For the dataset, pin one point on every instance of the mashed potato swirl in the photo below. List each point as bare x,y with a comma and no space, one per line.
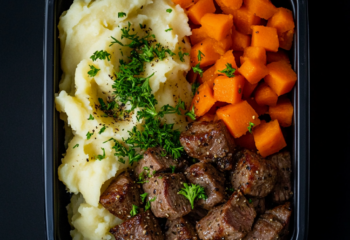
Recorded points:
85,28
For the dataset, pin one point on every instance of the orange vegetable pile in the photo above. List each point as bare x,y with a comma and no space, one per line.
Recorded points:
240,59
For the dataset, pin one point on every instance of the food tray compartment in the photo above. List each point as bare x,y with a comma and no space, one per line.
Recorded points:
56,197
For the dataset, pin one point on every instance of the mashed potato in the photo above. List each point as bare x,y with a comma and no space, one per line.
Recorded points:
85,28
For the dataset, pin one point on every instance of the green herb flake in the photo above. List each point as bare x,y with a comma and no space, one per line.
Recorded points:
193,192
91,117
115,41
100,157
250,127
182,55
134,210
88,135
102,130
148,204
121,160
239,90
229,70
191,114
250,200
93,71
169,29
76,145
169,10
194,87
173,168
102,55
121,14
200,55
197,69
143,196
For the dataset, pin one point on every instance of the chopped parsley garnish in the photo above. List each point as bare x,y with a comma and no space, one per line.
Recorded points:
231,189
193,192
115,41
199,56
143,196
101,55
250,200
250,127
88,135
191,114
160,177
121,151
148,204
197,69
181,55
169,10
134,211
142,27
146,168
239,90
76,145
169,29
194,87
91,117
121,160
229,70
121,14
102,130
93,71
172,169
100,157
102,103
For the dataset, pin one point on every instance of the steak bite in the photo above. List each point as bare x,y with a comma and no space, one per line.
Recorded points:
180,229
205,175
272,225
209,142
120,195
254,175
154,161
258,204
142,226
283,187
169,204
231,220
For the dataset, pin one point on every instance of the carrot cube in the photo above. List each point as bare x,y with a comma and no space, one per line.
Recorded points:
240,41
208,117
223,45
261,8
184,3
264,95
198,35
265,37
286,39
209,76
282,20
259,109
217,26
254,53
237,117
224,59
203,100
281,77
283,112
197,11
281,55
268,138
228,89
253,70
228,6
244,20
207,48
246,141
248,89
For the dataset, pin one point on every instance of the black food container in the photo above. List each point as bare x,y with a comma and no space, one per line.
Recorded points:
56,197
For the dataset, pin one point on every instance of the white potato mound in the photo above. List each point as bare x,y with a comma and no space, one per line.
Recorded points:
85,28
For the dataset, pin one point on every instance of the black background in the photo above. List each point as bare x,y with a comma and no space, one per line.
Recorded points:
21,162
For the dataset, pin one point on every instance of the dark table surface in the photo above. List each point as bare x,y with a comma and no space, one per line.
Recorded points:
21,168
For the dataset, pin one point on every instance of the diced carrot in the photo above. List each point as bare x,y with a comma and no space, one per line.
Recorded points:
203,100
259,109
216,106
286,39
224,59
281,77
246,141
191,76
184,3
237,117
282,20
248,89
283,112
197,11
281,55
217,26
261,8
207,47
254,53
244,20
265,37
238,55
228,89
253,70
208,117
223,45
264,95
268,138
240,41
209,76
228,6
198,34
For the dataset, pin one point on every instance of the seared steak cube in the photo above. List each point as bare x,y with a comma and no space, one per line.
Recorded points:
120,195
180,229
142,226
205,175
258,204
254,175
231,220
283,187
197,214
154,161
168,204
209,142
271,225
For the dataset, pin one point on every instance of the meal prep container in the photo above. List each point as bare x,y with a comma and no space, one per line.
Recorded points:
56,197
